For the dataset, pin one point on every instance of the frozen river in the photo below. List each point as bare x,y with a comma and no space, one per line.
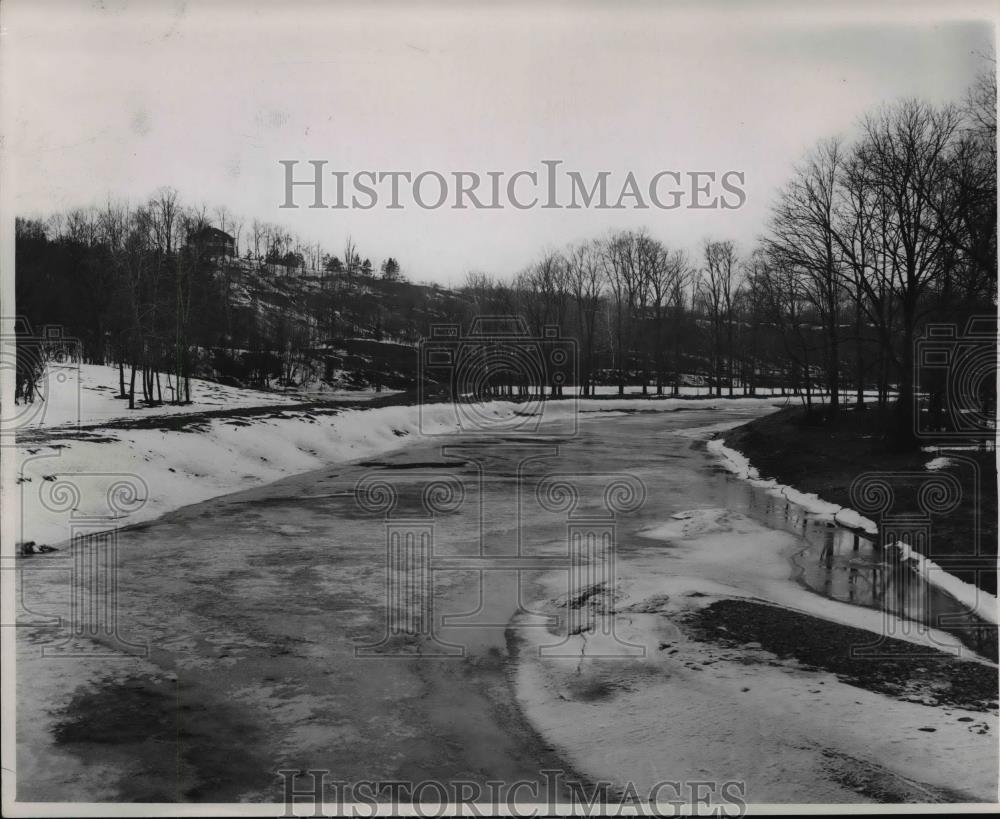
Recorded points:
426,616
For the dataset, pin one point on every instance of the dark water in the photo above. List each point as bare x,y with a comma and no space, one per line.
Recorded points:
847,566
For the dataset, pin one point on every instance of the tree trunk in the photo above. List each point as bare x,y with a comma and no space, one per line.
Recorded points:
833,379
903,429
729,364
131,389
859,358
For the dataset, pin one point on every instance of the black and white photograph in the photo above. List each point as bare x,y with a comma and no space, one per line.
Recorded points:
490,408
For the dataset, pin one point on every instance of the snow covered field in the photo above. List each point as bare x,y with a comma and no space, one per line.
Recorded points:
83,394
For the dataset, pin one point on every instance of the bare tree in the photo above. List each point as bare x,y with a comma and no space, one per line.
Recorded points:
620,260
717,290
258,234
782,293
586,282
351,260
546,288
903,160
680,289
165,207
665,271
802,239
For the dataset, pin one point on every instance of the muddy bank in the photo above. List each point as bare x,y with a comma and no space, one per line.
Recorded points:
744,675
708,702
879,663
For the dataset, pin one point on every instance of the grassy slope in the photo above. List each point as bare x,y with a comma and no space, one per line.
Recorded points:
824,460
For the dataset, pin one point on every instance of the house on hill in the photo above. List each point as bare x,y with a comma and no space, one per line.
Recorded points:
212,242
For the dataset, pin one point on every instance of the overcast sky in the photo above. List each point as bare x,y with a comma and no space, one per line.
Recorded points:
118,98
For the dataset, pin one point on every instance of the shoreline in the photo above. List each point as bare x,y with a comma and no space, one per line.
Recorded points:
769,577
158,464
979,601
824,462
727,687
721,679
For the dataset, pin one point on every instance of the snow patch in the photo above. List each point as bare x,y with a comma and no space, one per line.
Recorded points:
975,599
730,708
171,469
689,524
982,603
86,394
739,465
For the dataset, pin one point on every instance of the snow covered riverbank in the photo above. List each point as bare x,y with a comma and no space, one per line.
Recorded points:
973,598
739,465
725,707
130,475
269,598
748,676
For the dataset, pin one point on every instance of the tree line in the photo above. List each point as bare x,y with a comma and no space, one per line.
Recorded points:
871,238
143,287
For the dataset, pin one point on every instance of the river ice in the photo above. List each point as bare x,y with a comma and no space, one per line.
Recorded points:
252,606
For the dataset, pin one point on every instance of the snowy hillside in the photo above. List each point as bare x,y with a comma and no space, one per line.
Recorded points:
84,394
